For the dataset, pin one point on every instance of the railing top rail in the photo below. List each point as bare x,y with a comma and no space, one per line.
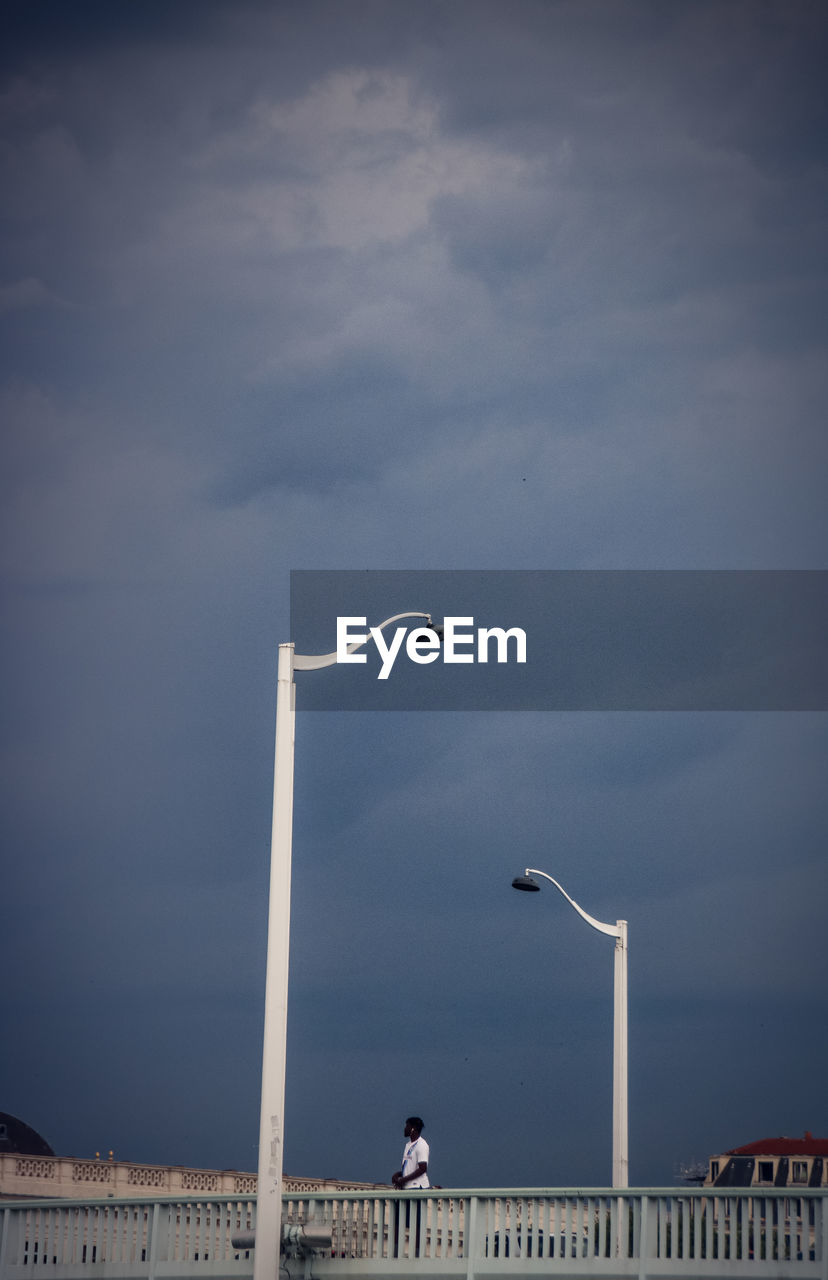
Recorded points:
137,1202
539,1193
432,1193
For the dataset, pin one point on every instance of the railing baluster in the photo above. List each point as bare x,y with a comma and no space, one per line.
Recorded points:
472,1244
64,1244
54,1249
386,1226
46,1252
698,1218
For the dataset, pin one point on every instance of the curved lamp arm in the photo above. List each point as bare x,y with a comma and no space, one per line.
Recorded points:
614,930
313,661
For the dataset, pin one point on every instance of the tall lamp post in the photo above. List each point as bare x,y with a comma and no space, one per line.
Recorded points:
620,1149
271,1120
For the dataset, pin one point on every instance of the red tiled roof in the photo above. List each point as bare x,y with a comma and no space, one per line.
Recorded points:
807,1146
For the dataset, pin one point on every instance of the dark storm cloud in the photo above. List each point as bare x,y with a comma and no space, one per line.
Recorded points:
419,285
54,30
255,270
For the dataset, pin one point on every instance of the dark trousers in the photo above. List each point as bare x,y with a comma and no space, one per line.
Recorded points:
404,1212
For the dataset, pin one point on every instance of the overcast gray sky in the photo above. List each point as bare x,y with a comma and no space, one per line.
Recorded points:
537,285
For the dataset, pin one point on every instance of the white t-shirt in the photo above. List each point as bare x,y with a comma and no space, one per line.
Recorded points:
415,1153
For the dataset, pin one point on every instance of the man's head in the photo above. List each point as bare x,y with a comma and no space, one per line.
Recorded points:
413,1127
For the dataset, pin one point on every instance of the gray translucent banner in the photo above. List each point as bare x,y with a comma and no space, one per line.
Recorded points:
595,640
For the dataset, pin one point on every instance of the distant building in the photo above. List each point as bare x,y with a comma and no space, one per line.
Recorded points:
57,1177
772,1162
30,1170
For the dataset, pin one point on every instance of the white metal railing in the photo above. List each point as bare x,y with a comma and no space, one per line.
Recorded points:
651,1234
144,1238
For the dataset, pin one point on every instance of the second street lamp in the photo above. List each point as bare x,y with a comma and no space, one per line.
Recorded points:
620,1151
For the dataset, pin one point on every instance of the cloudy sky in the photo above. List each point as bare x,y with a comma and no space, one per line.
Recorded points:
402,285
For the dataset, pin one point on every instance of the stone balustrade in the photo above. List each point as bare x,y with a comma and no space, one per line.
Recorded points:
45,1177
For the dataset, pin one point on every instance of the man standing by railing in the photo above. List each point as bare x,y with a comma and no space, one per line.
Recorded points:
413,1176
414,1171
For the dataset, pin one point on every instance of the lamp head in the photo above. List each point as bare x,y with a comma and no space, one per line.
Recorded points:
526,883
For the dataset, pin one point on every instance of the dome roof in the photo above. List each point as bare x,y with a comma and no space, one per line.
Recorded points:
18,1138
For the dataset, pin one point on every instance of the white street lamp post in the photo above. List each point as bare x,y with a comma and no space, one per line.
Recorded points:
620,1148
271,1120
